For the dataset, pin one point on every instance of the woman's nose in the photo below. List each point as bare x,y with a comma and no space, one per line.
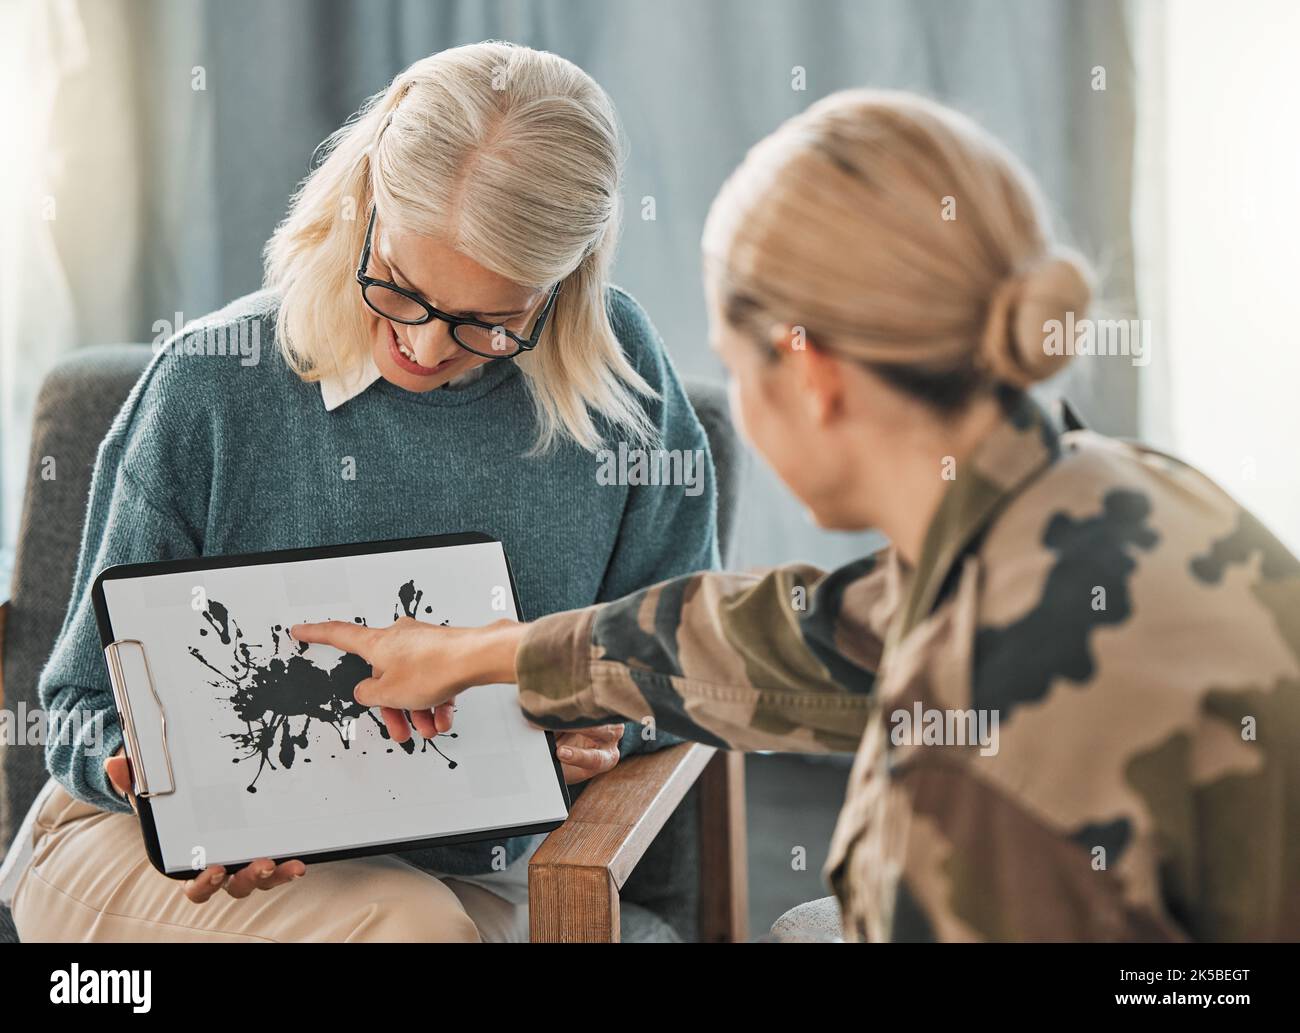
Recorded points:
432,342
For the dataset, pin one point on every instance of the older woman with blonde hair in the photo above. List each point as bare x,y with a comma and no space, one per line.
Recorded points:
1072,679
452,356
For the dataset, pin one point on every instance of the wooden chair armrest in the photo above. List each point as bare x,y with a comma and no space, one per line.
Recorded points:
575,876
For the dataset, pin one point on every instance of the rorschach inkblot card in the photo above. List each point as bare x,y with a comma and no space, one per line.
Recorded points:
252,744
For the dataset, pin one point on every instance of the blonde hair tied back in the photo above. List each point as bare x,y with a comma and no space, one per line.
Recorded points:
897,232
1014,345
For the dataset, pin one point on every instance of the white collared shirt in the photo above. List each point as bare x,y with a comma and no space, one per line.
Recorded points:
337,389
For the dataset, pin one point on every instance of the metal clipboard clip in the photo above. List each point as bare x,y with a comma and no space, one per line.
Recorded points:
117,675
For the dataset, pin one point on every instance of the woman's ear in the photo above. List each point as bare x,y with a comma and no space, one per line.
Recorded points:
818,374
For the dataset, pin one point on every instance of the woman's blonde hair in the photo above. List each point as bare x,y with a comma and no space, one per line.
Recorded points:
511,155
897,232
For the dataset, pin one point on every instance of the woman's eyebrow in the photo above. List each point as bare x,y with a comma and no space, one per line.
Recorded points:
491,315
483,316
393,267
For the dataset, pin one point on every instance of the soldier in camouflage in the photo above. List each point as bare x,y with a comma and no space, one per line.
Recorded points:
1136,634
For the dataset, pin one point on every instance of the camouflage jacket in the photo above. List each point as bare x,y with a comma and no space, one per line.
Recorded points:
1077,717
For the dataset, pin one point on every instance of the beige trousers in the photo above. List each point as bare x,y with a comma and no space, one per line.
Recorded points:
89,880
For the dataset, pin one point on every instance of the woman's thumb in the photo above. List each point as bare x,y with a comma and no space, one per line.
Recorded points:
118,769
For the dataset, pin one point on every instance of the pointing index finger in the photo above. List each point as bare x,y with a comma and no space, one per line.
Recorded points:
351,638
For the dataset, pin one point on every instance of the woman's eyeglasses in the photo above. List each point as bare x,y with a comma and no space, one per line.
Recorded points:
403,306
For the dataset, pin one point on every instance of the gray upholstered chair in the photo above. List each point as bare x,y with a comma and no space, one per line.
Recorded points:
647,837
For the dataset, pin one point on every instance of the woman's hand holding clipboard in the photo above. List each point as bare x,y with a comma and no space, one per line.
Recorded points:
262,874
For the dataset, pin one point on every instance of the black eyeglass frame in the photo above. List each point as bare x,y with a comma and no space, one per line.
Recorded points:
431,313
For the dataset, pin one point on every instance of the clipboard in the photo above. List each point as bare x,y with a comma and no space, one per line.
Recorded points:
322,766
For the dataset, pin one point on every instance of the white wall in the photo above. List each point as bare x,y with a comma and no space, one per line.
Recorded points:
1218,216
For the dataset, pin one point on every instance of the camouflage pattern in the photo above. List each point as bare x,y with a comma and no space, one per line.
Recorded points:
1135,633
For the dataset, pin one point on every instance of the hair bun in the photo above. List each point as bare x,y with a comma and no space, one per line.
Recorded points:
1013,349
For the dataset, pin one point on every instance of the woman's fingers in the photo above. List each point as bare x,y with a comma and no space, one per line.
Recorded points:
425,722
200,888
284,873
399,728
419,666
344,635
588,752
263,874
582,758
365,691
590,757
244,881
118,769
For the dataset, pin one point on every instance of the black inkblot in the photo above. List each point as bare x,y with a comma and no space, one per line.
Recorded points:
219,618
408,599
269,692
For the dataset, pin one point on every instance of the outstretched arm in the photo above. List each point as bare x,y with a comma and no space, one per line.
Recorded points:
782,661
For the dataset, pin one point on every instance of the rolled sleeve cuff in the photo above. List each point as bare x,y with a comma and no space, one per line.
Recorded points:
554,670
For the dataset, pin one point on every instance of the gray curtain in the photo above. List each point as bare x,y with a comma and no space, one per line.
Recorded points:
168,192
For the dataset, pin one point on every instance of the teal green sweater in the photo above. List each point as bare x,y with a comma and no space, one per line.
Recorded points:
210,456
